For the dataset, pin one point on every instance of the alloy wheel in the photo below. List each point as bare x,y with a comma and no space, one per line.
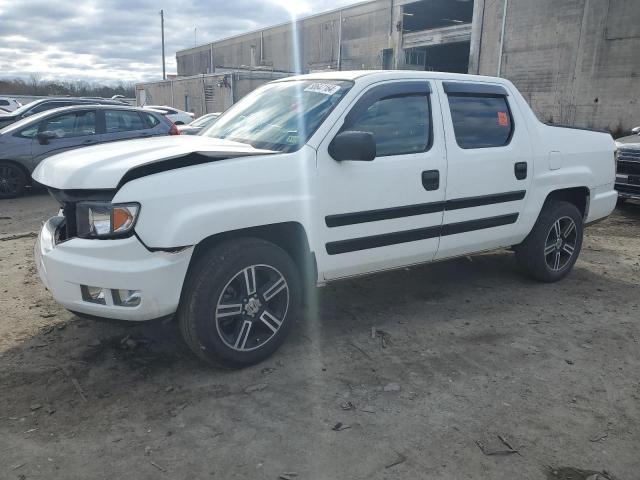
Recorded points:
560,244
252,307
10,180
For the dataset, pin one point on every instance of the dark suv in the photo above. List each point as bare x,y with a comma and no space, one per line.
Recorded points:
628,171
26,143
48,104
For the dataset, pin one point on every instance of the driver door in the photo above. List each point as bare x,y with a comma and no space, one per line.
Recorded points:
384,213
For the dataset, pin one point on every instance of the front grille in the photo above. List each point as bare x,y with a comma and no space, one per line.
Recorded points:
628,154
628,168
628,189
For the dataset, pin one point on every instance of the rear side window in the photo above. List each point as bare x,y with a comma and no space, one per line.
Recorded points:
480,121
122,121
151,120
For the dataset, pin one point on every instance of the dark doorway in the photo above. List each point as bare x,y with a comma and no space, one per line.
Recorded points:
427,14
451,57
387,59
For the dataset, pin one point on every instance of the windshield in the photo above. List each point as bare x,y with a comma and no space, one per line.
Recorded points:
23,122
280,116
204,121
24,108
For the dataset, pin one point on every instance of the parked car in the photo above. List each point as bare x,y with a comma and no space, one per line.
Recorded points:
308,180
49,104
179,117
9,104
199,124
628,166
24,144
2,110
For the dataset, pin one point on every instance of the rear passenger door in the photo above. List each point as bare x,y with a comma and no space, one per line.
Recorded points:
122,125
489,158
384,213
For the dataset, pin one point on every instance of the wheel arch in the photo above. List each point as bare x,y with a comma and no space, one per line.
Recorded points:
290,236
24,169
578,196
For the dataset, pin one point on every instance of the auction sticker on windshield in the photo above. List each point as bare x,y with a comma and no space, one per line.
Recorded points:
324,88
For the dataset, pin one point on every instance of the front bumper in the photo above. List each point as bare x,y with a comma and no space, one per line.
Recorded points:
110,264
627,187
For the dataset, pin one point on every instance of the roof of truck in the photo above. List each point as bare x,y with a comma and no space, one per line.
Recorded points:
391,75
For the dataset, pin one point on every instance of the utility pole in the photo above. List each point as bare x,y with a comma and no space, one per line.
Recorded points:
164,71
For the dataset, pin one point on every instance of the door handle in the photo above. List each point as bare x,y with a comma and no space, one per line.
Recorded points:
90,140
520,170
431,180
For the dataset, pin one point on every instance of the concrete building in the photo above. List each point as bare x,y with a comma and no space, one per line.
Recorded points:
576,61
206,93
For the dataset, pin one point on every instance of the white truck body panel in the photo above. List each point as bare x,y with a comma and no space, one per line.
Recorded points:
246,187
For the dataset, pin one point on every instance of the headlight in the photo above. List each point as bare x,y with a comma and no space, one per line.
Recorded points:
105,220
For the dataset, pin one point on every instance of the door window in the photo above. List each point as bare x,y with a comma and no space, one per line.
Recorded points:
400,124
480,121
68,125
151,120
122,121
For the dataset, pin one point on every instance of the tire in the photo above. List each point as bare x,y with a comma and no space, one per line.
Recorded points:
561,252
13,180
226,294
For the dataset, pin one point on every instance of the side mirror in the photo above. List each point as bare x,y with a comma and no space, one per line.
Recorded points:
353,146
636,130
44,137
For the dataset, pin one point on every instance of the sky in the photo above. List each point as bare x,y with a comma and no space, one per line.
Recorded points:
109,41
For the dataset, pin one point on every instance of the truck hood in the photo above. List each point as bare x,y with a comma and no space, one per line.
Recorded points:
629,141
109,165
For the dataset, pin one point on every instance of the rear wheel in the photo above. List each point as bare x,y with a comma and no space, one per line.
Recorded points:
552,248
12,180
240,302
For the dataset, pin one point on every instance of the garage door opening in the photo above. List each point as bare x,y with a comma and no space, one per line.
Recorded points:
450,57
429,14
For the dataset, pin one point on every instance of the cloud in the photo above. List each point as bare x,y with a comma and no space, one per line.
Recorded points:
119,40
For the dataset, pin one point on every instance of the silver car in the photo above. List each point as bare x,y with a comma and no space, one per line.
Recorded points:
27,142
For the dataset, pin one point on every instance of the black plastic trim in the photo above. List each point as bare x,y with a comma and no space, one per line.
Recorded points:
374,241
342,219
386,239
480,224
459,88
354,218
188,160
468,202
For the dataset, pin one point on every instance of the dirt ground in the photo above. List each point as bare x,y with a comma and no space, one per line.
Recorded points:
472,351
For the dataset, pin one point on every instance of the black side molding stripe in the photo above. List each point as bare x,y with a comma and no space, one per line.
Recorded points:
458,203
342,219
386,239
480,224
354,218
374,241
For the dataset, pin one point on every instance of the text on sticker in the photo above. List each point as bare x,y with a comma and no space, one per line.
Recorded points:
324,88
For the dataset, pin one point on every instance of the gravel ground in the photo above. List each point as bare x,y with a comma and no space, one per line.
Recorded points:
472,352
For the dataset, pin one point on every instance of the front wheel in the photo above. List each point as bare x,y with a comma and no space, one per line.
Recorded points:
240,301
552,248
12,180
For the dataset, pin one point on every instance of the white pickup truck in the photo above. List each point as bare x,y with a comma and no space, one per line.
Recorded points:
308,180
